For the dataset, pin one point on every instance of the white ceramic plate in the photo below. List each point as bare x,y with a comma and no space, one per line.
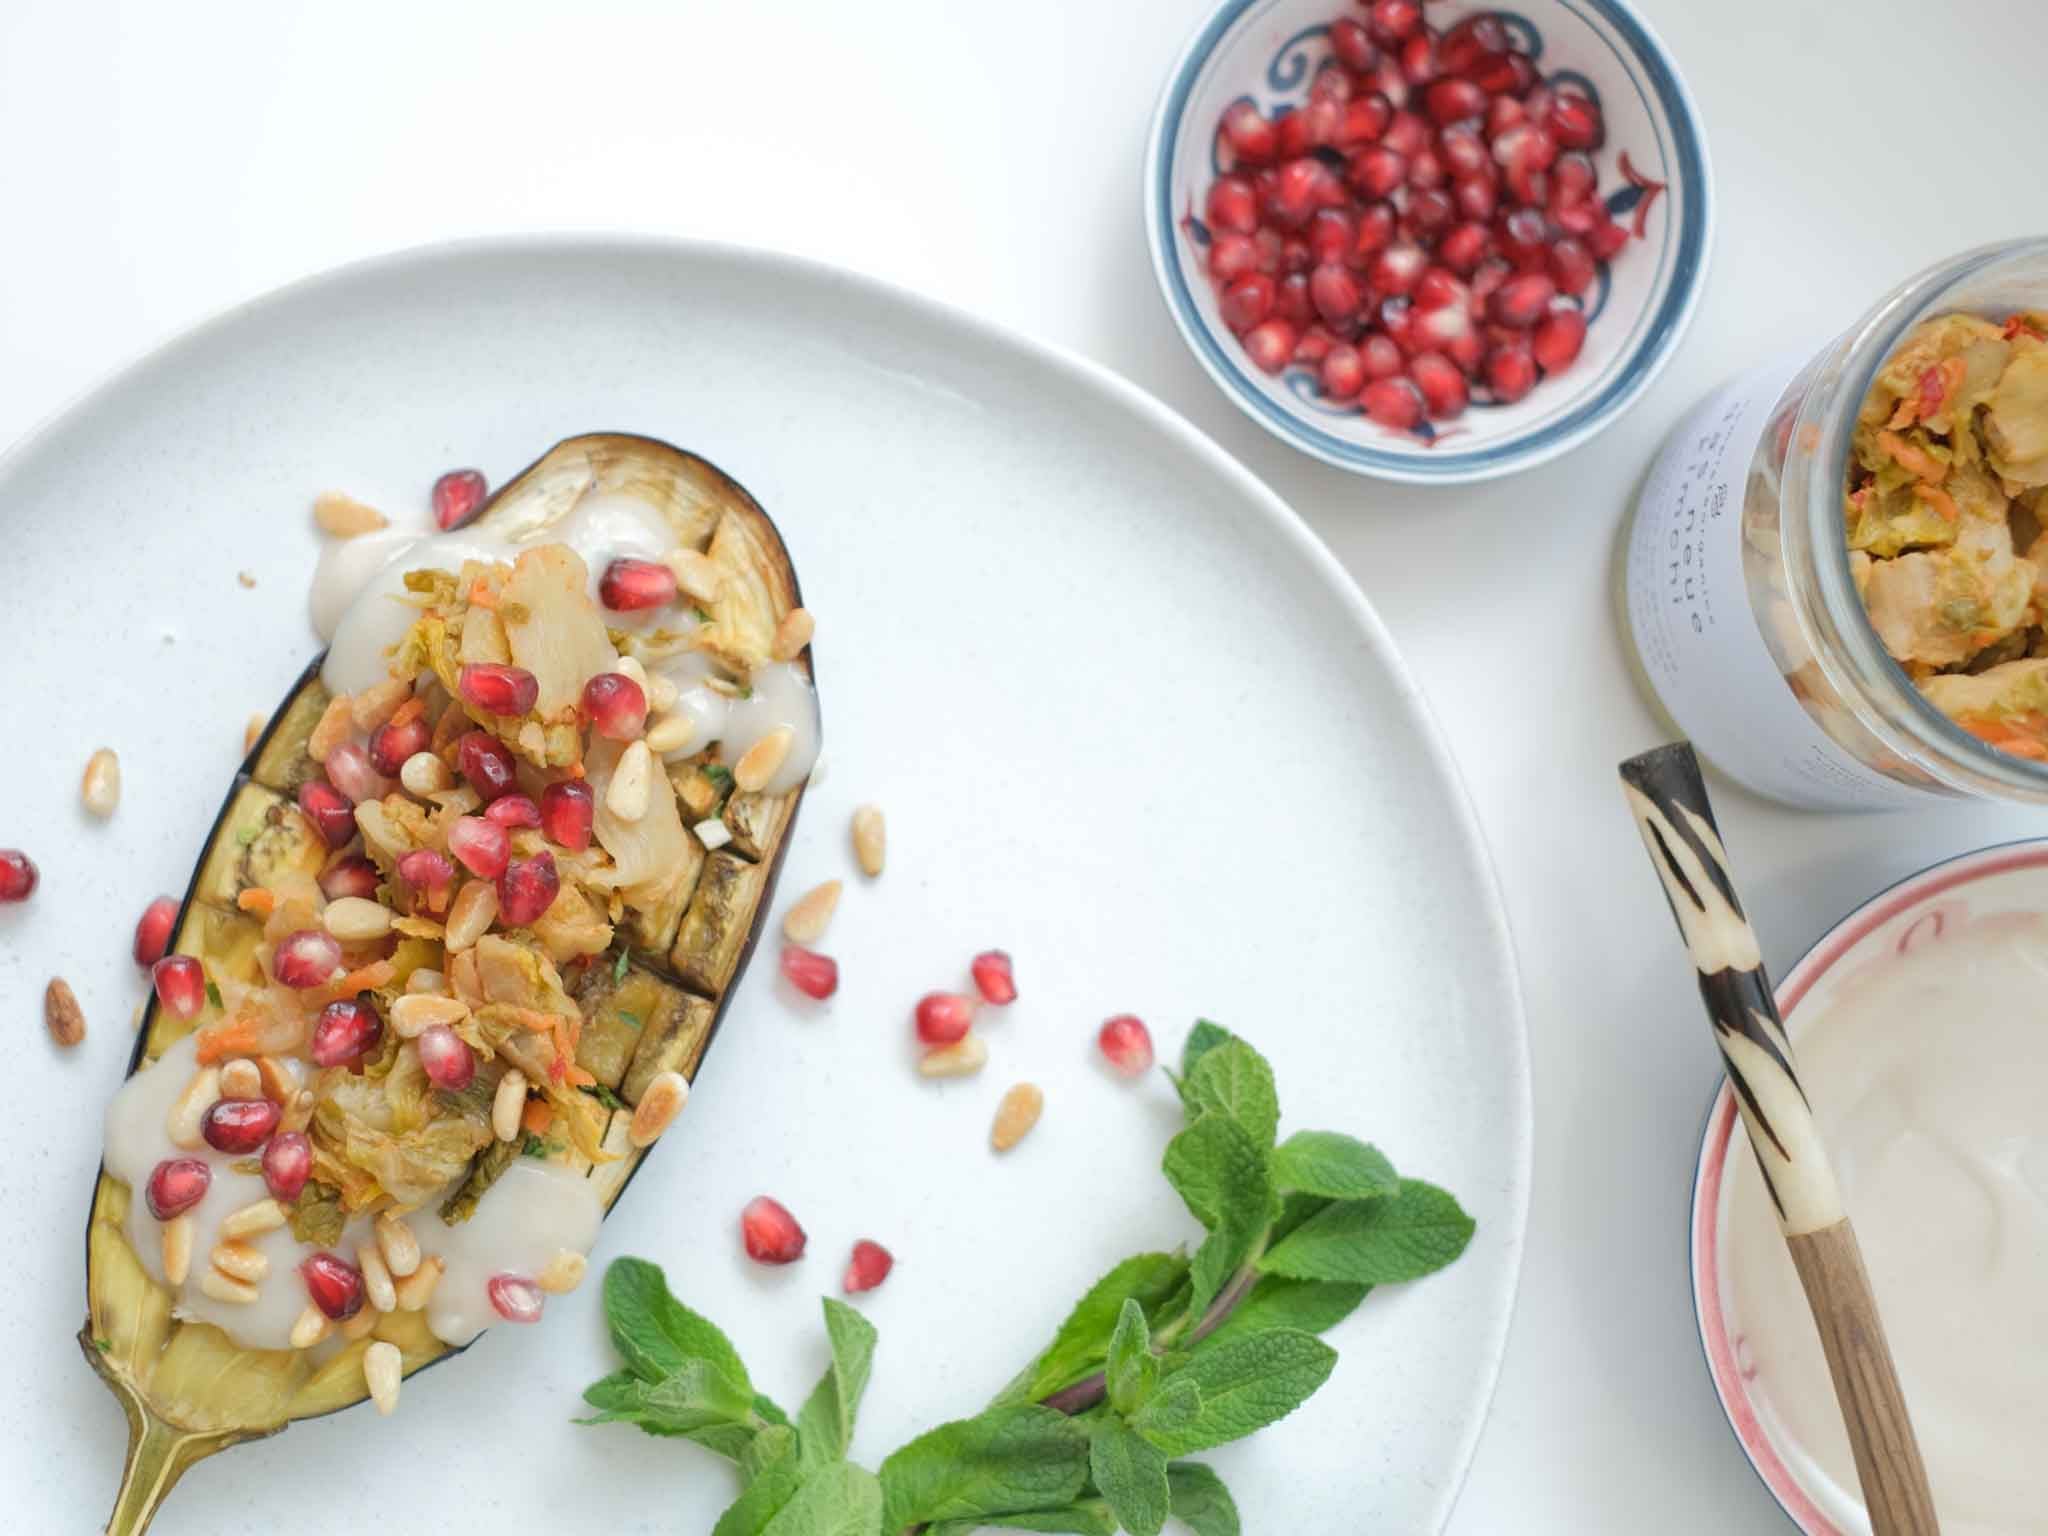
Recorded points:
1128,720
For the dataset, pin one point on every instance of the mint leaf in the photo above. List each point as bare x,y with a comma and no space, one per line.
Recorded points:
1340,1167
825,1423
1133,1370
1311,1306
1247,1384
1176,1405
1202,1039
1235,1079
695,1401
769,1491
1082,1342
1295,1210
1090,1517
774,1444
1221,1173
838,1499
1013,1459
1376,1242
1131,1472
1200,1501
658,1334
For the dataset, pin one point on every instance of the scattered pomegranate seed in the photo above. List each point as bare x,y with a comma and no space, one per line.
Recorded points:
1270,345
616,706
868,1268
1574,121
1125,1041
393,743
449,1062
335,1285
567,809
1247,301
513,810
458,497
497,689
1557,339
331,812
18,875
994,977
1233,206
629,586
236,1126
1441,383
1521,301
811,973
425,870
770,1233
353,875
307,958
176,1185
1249,135
942,1018
515,1298
346,1031
180,983
1510,372
153,930
287,1164
482,846
527,889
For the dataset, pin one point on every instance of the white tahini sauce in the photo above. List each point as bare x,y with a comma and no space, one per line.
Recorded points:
1928,1075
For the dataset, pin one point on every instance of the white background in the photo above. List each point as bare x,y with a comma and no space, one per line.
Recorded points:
160,161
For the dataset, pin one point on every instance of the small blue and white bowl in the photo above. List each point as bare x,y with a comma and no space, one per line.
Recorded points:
1653,176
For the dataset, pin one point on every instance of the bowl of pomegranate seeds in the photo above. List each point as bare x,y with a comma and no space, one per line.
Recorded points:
1423,241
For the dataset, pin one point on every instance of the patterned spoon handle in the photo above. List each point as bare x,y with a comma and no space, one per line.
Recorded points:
1669,799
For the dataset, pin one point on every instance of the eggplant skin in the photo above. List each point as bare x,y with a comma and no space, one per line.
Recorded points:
653,1004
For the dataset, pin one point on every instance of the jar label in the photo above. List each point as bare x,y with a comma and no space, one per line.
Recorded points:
1694,628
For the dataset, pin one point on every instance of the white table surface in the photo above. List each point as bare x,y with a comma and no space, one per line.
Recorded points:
158,162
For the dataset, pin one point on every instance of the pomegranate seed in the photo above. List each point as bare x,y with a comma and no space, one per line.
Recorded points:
1525,239
1331,235
1297,192
943,1018
1322,121
497,689
1503,113
333,817
1574,122
1247,301
350,876
18,875
770,1233
1270,345
1430,212
1576,219
486,764
1330,84
1572,179
1407,135
1393,318
1462,344
628,586
868,1268
1486,278
482,846
567,809
393,743
346,1031
1335,293
1606,239
1365,119
458,497
1441,383
1375,232
1353,48
1295,256
1536,103
180,983
1451,101
307,958
1464,153
1474,43
1510,372
1379,356
1343,373
1521,301
1557,339
1426,170
1394,403
449,1062
1418,58
1125,1041
513,810
1376,170
1476,197
335,1285
349,770
425,870
1290,134
1233,207
153,931
1315,344
1389,21
1249,135
1571,266
176,1185
1387,79
515,1298
1462,249
287,1164
1398,268
813,974
526,889
1439,286
1231,256
1529,187
993,977
236,1126
1525,146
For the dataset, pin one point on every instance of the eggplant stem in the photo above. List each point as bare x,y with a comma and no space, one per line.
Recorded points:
159,1452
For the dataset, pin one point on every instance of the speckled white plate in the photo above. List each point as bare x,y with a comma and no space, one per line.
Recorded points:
1128,720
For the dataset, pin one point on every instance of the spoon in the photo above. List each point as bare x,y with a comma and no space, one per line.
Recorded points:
1669,799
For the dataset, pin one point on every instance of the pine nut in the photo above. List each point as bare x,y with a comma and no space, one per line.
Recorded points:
190,1107
332,730
629,666
805,922
239,1261
963,1058
660,1102
417,1012
396,1243
662,693
626,797
470,918
258,1216
1016,1115
247,579
383,1369
763,760
563,1273
378,703
713,834
100,789
696,573
377,1284
61,1013
178,1234
227,1288
416,1287
793,634
280,1079
252,732
298,1114
312,1326
356,919
360,1325
426,979
870,839
670,733
424,774
241,1079
343,517
508,1104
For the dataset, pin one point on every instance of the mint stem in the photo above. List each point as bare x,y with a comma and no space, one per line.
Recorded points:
1090,1390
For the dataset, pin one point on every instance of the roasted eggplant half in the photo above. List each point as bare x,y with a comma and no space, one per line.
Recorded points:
454,950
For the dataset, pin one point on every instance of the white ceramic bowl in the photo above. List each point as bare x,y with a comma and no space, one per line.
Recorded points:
1653,175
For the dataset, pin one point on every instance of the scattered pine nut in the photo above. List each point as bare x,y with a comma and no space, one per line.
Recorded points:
312,1326
508,1104
696,573
763,760
62,1014
395,1241
264,1215
870,839
190,1107
333,728
360,1325
424,774
413,1014
377,1286
383,1369
239,1261
343,517
670,733
660,1102
963,1058
563,1273
227,1288
178,1233
246,578
713,834
806,921
1016,1115
470,918
241,1079
416,1287
793,634
252,733
356,919
100,789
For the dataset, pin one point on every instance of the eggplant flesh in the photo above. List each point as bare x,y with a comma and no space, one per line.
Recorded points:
651,1002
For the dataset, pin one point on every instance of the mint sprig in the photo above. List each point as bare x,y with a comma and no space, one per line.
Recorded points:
1165,1357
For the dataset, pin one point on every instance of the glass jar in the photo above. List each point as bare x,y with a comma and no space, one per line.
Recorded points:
1745,623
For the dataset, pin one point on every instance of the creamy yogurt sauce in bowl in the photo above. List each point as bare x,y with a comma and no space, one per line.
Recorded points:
1921,1025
